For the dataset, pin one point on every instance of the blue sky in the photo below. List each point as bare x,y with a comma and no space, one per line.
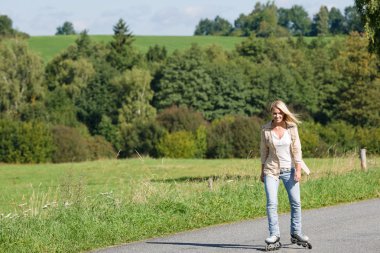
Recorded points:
144,17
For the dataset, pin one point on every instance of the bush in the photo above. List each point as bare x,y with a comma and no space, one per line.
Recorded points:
109,131
340,137
369,138
234,136
246,136
179,144
312,143
25,142
180,119
201,142
71,146
220,138
100,148
143,137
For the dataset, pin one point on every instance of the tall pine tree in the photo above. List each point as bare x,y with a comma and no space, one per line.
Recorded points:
122,55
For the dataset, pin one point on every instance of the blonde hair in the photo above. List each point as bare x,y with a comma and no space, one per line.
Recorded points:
289,117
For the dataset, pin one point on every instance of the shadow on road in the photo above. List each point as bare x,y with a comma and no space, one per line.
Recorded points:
220,245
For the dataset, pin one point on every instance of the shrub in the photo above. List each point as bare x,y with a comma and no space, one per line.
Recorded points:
340,137
71,146
369,138
246,136
99,148
201,142
25,142
179,144
180,118
109,131
220,138
312,143
143,138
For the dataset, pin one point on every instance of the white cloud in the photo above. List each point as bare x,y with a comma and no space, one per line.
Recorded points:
193,11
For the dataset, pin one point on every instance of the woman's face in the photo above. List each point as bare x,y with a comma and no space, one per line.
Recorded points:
278,115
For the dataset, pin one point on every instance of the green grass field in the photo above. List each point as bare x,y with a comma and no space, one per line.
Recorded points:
77,207
19,181
49,46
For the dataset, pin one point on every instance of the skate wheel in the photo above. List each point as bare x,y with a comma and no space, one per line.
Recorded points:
293,240
309,246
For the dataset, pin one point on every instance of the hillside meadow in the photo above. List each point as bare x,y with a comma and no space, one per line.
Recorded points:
49,46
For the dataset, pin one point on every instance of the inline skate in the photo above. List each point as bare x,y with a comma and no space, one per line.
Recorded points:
301,240
273,243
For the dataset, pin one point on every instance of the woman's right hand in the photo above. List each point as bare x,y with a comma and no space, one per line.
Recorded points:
262,173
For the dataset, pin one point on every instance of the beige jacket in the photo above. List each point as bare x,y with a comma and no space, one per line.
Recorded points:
268,152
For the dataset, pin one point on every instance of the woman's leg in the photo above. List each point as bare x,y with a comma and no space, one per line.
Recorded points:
293,189
271,189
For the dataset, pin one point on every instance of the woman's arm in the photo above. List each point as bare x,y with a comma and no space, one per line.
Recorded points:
264,151
262,173
297,152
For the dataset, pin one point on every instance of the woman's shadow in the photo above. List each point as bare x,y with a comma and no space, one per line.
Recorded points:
221,245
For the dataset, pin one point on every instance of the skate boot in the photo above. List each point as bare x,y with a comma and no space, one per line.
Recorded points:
301,240
273,243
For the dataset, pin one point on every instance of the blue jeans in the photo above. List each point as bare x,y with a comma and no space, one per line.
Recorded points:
293,189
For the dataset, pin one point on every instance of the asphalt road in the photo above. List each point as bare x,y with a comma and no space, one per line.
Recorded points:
344,228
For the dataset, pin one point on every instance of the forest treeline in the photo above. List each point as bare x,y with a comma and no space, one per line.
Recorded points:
266,19
98,100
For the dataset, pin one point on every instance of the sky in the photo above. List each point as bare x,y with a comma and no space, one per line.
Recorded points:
143,17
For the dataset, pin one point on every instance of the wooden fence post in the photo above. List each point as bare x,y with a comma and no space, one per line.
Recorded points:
210,181
363,159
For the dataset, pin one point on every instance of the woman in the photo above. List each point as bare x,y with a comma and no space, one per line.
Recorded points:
281,158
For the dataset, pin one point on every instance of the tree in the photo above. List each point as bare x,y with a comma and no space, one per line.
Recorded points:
359,96
221,26
300,21
370,13
218,26
336,21
21,74
321,22
83,43
204,27
242,25
295,19
156,53
5,26
66,29
122,55
72,76
353,21
185,81
122,36
231,90
262,21
134,89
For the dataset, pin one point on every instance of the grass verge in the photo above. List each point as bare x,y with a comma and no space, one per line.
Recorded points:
81,222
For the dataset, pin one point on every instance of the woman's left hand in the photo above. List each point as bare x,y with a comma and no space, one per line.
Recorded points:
297,175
